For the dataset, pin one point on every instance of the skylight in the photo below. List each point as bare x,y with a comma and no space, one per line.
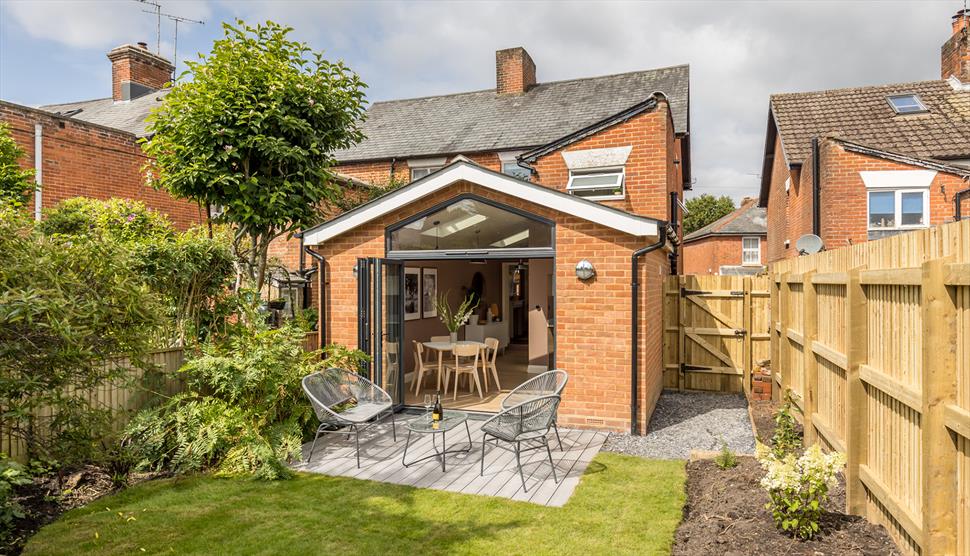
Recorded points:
907,104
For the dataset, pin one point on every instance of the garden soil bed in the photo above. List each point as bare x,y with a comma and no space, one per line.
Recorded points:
725,515
49,496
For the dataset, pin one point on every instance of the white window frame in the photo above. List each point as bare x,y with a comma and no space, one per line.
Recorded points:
919,103
757,250
619,172
421,167
511,158
898,208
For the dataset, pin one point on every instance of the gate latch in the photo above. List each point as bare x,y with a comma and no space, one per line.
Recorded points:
740,332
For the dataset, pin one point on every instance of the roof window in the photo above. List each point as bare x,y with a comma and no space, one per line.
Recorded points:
907,104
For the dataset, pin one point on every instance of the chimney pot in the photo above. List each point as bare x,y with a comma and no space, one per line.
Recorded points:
515,72
136,71
960,20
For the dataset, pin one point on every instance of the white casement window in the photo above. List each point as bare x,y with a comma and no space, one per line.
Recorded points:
599,184
895,209
510,165
424,166
750,250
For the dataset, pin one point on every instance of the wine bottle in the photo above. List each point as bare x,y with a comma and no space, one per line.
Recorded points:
436,412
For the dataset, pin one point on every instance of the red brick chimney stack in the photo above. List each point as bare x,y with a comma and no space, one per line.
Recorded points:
955,53
515,72
136,71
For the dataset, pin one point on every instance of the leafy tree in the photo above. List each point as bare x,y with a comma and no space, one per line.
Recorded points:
253,133
16,184
189,271
705,209
67,309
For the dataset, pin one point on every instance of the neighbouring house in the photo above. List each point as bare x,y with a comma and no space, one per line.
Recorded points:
91,148
553,204
731,245
850,165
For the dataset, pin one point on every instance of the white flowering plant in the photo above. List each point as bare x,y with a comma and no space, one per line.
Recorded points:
455,319
797,487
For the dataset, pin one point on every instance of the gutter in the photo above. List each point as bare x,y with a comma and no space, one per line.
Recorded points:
38,170
634,334
321,295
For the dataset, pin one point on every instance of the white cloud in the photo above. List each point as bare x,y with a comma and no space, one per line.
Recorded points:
739,53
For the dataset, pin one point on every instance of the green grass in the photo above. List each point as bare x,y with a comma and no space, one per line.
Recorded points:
623,505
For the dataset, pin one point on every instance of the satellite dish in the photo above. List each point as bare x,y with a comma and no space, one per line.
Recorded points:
809,244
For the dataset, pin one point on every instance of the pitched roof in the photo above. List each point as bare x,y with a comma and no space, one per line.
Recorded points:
626,222
748,219
483,120
127,116
864,114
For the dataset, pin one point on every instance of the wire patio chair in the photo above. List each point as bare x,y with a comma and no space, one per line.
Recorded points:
546,384
528,424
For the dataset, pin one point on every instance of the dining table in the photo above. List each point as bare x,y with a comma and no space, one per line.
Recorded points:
446,347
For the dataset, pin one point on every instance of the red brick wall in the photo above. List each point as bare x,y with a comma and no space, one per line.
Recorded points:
85,160
778,205
706,255
593,325
844,201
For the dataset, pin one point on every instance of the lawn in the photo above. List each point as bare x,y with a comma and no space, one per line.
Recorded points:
623,505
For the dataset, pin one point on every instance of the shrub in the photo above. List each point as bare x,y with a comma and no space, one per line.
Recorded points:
725,458
121,220
244,412
786,439
798,487
67,308
12,475
16,184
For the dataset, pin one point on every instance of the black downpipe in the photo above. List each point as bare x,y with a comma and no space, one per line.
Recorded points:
674,226
321,295
816,190
635,302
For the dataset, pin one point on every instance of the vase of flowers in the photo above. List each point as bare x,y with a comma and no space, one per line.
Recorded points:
455,319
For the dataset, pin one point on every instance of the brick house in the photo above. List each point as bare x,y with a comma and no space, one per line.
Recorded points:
550,202
90,148
850,165
731,245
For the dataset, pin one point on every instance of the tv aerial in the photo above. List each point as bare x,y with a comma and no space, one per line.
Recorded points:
176,19
809,244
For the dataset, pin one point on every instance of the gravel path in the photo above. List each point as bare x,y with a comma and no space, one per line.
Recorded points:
690,421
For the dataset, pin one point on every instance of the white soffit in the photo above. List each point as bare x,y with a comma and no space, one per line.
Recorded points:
597,158
898,178
531,193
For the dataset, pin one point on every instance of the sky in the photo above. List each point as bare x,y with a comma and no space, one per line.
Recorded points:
739,52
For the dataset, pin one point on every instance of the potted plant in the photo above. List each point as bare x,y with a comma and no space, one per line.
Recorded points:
455,319
279,303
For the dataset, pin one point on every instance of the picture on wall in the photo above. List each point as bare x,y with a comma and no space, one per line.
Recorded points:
429,292
412,293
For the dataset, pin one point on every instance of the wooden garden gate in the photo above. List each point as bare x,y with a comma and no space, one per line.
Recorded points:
715,329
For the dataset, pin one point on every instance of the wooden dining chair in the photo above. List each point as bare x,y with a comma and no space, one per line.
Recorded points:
430,353
491,352
466,363
419,366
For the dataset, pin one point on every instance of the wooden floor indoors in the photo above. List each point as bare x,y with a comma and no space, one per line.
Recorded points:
380,459
512,368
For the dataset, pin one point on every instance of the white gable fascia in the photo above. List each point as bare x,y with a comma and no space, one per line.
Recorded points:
530,193
613,157
897,178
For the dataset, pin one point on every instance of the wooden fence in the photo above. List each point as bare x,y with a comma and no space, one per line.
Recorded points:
715,329
123,401
875,341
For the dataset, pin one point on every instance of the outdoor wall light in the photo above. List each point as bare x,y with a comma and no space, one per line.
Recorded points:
585,270
355,272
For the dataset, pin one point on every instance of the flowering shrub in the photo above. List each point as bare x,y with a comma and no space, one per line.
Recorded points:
798,487
786,439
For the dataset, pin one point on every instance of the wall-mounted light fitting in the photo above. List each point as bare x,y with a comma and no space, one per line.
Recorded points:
585,270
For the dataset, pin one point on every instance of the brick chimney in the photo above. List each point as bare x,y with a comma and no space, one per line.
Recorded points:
515,72
135,71
955,53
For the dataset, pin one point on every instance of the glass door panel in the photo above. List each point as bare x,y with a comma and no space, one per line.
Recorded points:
380,322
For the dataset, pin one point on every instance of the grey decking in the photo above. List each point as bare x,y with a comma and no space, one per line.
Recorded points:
380,460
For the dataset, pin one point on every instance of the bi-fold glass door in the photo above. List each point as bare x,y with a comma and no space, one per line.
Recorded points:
380,322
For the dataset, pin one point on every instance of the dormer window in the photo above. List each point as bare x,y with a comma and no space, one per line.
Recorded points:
907,104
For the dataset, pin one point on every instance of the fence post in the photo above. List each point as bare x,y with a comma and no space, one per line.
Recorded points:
809,331
856,404
774,347
784,344
746,317
938,311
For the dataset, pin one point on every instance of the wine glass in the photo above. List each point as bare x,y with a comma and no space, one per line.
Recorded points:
428,403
